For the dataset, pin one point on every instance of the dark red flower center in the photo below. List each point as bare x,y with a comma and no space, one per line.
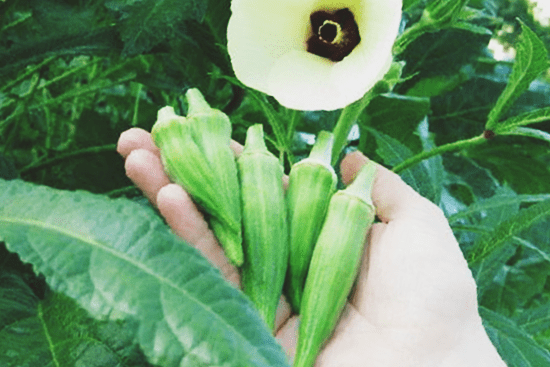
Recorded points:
335,34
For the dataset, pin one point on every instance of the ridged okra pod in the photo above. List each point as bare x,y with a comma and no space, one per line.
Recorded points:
196,155
265,230
334,264
311,183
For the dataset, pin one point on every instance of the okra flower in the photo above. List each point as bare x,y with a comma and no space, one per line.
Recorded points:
312,54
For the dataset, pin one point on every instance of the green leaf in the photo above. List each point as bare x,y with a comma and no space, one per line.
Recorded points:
418,176
437,85
501,235
17,301
466,26
496,202
409,3
470,174
518,283
396,116
443,53
531,60
434,165
535,320
540,115
274,119
515,161
531,133
146,23
516,347
118,259
55,332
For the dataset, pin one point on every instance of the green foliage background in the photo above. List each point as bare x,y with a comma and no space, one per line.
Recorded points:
74,74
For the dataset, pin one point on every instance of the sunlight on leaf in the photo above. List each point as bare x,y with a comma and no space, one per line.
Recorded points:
118,259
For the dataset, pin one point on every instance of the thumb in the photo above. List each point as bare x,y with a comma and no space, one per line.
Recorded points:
391,196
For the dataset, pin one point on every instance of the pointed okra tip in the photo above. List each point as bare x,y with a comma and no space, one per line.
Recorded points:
255,140
196,102
166,119
321,153
362,185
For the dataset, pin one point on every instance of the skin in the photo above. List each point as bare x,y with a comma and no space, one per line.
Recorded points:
415,302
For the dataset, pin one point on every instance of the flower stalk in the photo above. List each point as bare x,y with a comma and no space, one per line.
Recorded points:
451,147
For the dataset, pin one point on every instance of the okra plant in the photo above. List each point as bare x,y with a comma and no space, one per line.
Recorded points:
452,95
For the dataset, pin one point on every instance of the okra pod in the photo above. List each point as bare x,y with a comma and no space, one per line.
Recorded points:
334,264
196,155
265,230
311,183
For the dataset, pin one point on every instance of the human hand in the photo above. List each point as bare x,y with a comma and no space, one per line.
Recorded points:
415,301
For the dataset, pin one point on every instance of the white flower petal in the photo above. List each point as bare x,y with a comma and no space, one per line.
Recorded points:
267,44
301,81
256,41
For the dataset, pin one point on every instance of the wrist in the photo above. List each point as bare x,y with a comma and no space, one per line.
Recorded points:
474,349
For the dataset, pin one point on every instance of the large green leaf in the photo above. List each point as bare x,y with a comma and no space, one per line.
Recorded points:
531,60
516,347
117,258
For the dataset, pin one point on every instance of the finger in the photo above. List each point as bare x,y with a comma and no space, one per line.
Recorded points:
287,335
133,139
283,313
145,170
391,196
183,216
236,147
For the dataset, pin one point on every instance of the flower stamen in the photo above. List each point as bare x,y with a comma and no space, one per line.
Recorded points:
335,34
330,32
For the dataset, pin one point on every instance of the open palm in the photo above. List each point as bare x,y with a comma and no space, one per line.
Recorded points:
415,301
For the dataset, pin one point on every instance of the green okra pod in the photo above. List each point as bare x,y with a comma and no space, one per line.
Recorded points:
311,183
265,229
334,264
196,155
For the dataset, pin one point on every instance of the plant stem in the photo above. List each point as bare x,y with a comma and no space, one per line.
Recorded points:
294,118
457,145
347,118
28,72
